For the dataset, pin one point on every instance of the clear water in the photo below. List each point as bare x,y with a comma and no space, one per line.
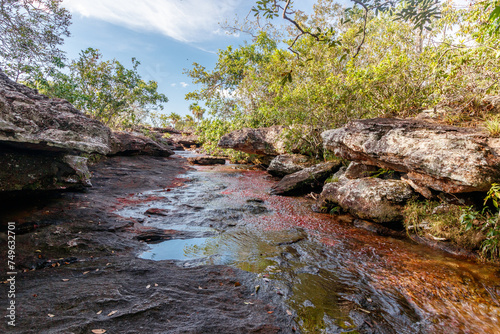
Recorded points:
334,277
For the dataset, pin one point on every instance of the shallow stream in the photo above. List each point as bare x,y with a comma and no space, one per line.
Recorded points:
333,277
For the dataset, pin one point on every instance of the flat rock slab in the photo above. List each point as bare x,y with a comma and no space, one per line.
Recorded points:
368,198
306,179
443,158
206,160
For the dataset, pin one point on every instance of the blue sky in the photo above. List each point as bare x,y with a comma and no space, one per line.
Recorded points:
166,36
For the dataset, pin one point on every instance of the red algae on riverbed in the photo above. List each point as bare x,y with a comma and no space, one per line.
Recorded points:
450,294
410,288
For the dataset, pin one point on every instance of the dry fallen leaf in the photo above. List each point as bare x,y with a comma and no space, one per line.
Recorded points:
98,331
111,313
99,312
270,312
65,279
288,312
156,284
97,269
51,315
248,303
148,286
86,272
237,284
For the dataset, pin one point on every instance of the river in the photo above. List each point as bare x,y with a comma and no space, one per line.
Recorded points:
333,277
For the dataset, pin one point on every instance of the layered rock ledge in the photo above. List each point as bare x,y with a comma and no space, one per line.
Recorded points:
443,158
44,141
41,140
43,123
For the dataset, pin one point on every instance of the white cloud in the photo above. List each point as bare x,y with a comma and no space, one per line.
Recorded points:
183,84
183,20
173,85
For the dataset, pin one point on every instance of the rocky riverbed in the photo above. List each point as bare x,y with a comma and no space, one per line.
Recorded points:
159,247
79,268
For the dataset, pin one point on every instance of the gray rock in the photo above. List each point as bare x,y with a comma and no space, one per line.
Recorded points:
38,122
356,170
305,180
206,160
262,141
185,140
368,198
26,170
133,143
443,158
285,164
41,140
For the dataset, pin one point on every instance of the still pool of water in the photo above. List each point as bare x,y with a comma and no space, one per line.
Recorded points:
176,249
334,277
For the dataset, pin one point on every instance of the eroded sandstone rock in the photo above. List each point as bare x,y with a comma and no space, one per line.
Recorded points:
184,140
206,160
368,198
41,140
443,158
285,164
133,143
39,122
262,141
27,170
306,179
357,170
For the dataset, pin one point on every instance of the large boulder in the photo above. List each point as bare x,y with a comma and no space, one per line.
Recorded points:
206,160
42,123
133,143
356,170
305,180
443,158
25,170
285,164
184,141
261,141
41,140
368,198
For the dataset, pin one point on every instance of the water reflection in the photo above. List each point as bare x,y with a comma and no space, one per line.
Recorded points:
336,278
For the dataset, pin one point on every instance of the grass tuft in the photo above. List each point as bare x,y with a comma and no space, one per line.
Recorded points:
493,126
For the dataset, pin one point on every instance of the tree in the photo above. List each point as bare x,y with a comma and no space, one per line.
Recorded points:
105,90
174,118
30,35
418,12
221,87
197,111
